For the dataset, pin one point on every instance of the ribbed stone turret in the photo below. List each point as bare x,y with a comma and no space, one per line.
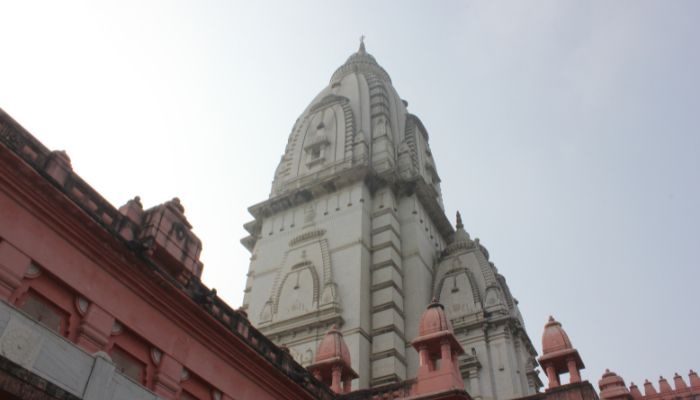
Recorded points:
500,361
354,232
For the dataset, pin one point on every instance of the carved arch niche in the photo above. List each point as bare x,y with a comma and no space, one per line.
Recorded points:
298,293
326,134
457,291
304,284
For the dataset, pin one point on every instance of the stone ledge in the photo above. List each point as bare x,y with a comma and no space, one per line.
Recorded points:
23,384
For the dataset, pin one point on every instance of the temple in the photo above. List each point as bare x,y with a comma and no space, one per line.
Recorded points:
355,220
98,301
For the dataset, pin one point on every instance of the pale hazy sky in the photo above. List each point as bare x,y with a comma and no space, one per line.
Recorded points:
566,132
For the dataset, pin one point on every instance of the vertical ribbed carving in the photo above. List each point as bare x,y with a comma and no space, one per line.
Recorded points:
327,271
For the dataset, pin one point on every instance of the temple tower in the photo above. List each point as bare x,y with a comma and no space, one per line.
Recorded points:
354,234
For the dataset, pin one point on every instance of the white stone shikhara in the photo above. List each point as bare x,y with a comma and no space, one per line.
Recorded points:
354,233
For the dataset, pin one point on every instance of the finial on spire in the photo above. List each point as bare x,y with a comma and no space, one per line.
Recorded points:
362,44
459,221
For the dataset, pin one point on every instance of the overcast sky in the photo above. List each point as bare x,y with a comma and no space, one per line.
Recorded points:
566,132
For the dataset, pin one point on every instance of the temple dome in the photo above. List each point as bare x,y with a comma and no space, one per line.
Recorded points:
554,338
357,123
433,320
333,347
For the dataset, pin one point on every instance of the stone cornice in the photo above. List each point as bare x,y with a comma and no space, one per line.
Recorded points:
311,187
306,235
321,319
316,185
427,196
19,382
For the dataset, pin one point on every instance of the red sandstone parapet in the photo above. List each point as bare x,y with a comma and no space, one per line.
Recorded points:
665,392
105,280
613,386
168,236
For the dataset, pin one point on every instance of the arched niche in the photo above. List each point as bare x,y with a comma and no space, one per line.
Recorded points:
457,293
298,292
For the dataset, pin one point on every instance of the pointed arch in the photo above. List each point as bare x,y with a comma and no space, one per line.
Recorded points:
294,277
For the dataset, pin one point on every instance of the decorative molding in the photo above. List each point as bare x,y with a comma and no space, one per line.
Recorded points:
82,304
390,329
20,344
321,320
388,353
33,271
298,268
156,355
308,235
117,328
327,102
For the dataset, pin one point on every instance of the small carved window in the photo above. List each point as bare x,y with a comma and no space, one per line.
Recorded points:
128,364
45,312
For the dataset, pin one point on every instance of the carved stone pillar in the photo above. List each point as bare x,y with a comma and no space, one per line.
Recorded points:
446,356
424,359
13,265
574,375
474,387
552,376
167,379
335,380
95,329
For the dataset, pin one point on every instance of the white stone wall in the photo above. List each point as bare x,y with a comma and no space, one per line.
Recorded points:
48,355
326,237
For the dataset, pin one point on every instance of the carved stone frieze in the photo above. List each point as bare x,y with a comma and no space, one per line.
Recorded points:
307,235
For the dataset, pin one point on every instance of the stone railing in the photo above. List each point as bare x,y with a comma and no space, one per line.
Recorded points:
29,345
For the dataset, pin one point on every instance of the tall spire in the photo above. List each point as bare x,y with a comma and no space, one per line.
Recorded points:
363,62
459,221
